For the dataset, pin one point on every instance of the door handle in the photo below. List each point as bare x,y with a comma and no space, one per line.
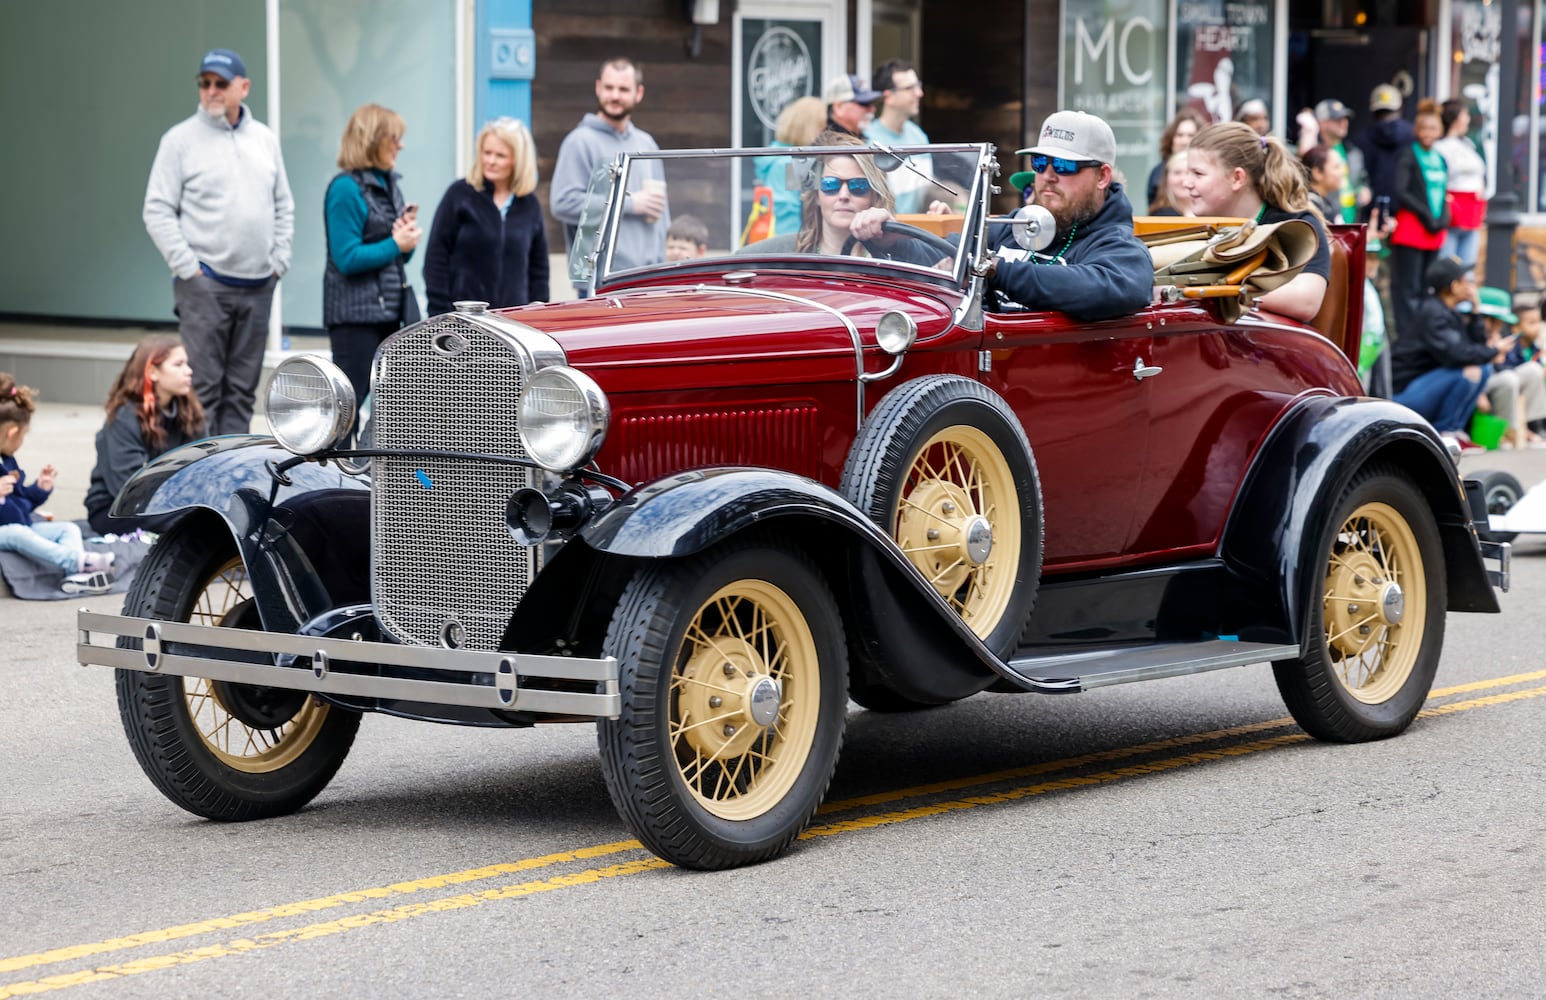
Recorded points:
1142,371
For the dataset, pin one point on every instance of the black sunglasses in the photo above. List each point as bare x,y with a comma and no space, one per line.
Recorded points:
857,186
206,82
1060,166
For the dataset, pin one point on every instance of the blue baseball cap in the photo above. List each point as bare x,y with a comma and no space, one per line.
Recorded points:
223,63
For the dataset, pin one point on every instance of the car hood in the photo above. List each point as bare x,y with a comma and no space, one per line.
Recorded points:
620,338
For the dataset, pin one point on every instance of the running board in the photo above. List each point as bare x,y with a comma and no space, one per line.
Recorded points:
1085,669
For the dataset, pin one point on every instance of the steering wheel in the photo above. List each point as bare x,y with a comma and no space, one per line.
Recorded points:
928,239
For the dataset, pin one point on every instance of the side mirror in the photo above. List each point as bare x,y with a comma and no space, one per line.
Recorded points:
1034,228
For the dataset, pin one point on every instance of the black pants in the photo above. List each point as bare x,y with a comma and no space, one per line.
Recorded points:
224,328
1407,287
354,348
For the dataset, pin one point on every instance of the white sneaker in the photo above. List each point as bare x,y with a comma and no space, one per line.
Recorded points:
86,583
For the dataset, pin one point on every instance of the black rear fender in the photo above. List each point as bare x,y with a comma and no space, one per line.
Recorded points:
304,535
1275,531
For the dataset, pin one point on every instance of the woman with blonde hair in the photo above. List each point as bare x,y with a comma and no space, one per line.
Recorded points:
371,234
798,125
1233,171
487,242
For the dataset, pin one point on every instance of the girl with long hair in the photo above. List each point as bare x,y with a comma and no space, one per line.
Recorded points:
1235,172
151,409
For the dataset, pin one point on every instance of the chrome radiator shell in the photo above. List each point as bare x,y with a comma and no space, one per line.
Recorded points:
445,570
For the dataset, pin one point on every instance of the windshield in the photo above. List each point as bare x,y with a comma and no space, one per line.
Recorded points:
789,206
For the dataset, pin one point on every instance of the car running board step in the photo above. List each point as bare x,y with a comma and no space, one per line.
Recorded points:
1066,671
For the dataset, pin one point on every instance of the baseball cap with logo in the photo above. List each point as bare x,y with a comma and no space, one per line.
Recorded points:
1074,135
1385,98
223,63
1331,110
850,88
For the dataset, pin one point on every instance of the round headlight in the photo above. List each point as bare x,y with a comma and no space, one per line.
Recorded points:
310,404
896,332
563,418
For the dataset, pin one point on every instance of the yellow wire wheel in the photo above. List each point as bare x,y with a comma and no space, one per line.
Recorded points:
228,731
744,699
1375,603
958,521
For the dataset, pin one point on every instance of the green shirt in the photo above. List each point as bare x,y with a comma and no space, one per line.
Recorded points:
1435,177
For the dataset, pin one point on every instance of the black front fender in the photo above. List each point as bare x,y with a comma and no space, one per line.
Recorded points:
873,580
304,534
1275,530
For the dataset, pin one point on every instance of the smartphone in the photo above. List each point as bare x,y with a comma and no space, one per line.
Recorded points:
1382,206
412,208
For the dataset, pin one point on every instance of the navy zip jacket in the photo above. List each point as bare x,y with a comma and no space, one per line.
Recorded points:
17,506
1108,273
1442,338
475,253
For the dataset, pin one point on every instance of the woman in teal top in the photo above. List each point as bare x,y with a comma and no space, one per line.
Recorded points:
1422,215
797,125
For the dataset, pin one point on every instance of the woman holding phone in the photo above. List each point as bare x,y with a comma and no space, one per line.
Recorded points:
371,234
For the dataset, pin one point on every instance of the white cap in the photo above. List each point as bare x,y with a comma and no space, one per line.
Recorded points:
1075,135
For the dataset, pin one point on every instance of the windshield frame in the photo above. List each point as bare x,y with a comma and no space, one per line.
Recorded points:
595,240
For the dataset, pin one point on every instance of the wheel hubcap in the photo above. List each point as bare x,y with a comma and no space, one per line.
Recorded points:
958,521
247,728
744,700
1375,602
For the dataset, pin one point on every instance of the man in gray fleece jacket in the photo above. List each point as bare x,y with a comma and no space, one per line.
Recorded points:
600,136
219,209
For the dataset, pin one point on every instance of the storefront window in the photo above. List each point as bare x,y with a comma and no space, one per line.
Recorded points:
1223,55
1114,66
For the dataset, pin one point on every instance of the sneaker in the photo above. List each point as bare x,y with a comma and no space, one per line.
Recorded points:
96,562
86,583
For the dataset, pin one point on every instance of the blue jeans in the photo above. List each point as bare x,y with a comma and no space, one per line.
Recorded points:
1462,243
53,543
1445,396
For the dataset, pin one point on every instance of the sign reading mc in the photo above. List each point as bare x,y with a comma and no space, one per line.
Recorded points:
1117,49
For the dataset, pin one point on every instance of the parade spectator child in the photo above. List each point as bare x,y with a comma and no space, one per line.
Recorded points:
687,238
1516,391
1528,349
150,410
52,543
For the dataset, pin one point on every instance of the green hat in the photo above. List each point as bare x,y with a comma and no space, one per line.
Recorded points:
1497,303
1023,179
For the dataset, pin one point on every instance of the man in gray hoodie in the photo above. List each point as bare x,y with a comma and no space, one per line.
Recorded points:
600,136
219,209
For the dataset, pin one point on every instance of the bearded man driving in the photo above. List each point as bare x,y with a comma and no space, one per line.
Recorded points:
1095,268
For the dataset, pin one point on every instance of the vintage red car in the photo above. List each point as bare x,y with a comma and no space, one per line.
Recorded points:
710,504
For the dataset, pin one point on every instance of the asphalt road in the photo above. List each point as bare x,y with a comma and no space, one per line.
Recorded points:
1175,838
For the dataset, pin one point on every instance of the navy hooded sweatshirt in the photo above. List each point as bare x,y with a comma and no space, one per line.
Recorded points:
477,253
1382,143
1108,273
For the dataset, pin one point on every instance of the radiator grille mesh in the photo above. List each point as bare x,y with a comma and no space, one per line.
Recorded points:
441,551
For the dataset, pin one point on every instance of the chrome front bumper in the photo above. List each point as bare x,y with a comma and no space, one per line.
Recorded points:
481,679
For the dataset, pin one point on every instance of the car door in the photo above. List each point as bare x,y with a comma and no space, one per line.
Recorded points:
1086,415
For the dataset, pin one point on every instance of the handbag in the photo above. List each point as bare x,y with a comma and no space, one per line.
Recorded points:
408,307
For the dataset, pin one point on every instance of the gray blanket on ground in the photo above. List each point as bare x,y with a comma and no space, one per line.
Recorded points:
33,581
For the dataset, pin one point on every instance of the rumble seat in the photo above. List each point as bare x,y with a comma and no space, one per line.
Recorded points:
1332,318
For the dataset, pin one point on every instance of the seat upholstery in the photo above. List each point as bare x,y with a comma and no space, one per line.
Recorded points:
1334,309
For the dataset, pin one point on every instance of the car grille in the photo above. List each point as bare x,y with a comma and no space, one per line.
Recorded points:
444,567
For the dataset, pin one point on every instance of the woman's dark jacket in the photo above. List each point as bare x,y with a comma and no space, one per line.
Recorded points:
121,452
1412,192
475,253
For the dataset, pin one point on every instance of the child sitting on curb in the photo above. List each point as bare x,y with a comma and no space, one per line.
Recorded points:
55,543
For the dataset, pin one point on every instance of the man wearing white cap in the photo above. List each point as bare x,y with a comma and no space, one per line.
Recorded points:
1098,268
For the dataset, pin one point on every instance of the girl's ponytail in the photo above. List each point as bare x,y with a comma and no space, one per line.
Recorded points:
17,402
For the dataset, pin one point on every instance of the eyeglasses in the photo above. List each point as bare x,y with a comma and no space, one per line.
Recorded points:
206,82
1060,166
857,186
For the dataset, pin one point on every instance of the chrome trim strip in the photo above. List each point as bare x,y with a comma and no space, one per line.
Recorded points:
853,331
505,670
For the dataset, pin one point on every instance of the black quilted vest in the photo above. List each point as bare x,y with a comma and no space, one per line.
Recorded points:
374,296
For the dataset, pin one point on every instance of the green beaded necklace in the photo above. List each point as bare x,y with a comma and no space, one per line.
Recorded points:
1058,257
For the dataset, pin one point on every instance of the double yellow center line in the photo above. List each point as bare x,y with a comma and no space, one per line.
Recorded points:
991,795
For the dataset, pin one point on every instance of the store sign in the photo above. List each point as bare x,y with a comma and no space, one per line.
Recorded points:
1223,54
1114,67
780,61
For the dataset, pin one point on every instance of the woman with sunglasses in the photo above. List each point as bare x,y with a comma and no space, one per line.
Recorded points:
841,188
1235,172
